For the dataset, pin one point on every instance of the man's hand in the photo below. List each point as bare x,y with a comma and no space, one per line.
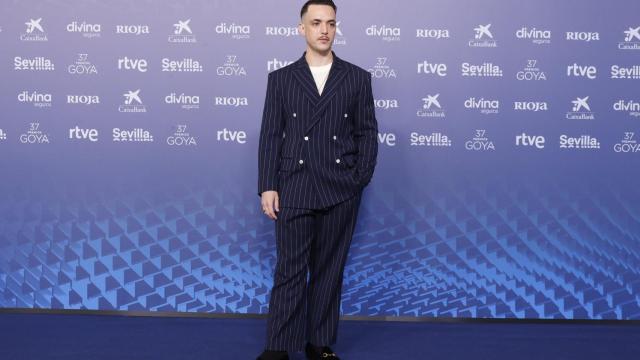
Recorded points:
270,202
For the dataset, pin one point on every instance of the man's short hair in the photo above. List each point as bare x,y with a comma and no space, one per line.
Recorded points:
305,7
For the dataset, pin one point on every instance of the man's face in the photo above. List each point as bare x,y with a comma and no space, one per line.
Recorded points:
318,26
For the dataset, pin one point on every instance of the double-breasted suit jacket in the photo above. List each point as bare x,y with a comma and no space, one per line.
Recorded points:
317,150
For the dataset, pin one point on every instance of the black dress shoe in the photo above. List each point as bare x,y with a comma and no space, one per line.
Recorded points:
319,353
273,355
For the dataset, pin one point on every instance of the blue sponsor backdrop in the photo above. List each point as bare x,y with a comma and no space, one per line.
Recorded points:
507,177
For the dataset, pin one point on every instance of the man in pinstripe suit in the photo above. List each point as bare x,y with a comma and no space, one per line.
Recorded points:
317,152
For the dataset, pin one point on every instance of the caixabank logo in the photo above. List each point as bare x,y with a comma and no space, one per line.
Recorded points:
580,110
35,135
34,31
181,137
435,140
182,33
431,107
628,144
132,103
631,39
483,37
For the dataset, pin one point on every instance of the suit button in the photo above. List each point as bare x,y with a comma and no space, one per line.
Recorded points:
346,115
306,138
338,161
294,115
334,137
300,161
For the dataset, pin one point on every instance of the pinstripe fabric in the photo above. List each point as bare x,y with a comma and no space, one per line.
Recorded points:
317,150
318,241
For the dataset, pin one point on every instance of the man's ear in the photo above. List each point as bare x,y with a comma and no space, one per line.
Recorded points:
301,28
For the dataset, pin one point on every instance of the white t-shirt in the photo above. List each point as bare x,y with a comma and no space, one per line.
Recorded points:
320,74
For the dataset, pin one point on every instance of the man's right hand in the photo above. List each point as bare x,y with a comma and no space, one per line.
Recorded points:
270,203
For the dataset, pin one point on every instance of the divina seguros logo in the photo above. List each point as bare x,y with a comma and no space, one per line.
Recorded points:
233,30
186,102
630,106
537,36
386,33
39,100
86,29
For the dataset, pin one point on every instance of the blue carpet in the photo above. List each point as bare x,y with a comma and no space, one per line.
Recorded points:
84,337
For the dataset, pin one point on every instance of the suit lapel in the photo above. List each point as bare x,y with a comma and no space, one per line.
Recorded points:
302,73
305,79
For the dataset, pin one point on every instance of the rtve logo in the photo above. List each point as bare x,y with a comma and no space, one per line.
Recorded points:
127,63
575,70
428,68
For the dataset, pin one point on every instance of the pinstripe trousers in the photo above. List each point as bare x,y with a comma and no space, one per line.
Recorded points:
316,241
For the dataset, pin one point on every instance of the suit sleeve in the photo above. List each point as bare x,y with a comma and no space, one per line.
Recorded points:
366,133
270,142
